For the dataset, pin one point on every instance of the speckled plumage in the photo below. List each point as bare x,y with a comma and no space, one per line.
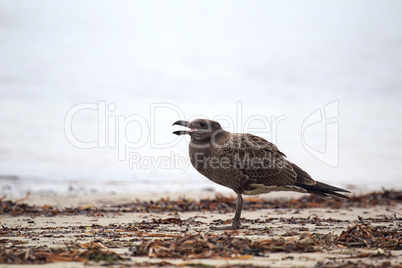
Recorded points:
246,163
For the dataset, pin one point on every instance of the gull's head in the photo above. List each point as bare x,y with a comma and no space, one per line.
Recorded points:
199,129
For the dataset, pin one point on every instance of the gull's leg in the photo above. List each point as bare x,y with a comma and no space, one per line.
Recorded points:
236,220
239,207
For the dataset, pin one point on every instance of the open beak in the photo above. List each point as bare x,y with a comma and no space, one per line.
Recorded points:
181,123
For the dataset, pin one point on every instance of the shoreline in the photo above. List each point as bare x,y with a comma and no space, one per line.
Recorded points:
102,198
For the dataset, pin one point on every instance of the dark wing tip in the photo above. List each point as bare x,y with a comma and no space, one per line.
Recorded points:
324,189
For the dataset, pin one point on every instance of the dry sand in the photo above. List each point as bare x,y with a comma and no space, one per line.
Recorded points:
260,225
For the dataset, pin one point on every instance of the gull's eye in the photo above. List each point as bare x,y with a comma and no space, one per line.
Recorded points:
202,124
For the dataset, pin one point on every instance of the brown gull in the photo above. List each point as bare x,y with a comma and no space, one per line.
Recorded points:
247,164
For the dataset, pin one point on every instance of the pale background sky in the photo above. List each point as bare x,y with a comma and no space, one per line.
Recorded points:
216,59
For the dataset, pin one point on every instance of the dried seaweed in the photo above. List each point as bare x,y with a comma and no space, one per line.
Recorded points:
224,246
219,204
45,255
371,237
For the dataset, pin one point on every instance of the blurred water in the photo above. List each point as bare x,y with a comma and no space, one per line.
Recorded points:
153,62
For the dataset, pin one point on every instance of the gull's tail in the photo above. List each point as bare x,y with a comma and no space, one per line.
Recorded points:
323,189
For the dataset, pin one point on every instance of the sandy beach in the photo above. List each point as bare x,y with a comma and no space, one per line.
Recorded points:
278,230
